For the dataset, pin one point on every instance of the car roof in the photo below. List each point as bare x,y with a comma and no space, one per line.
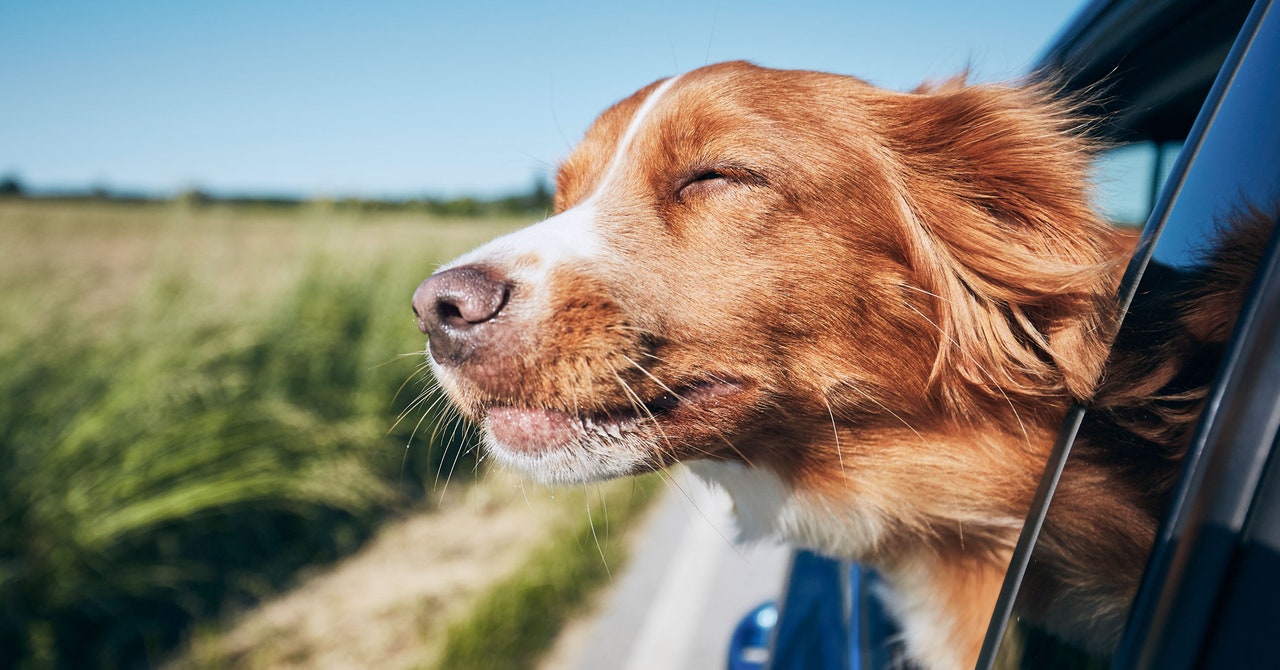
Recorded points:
1150,62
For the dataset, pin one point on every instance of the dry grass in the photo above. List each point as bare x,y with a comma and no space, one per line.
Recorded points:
390,605
196,402
100,258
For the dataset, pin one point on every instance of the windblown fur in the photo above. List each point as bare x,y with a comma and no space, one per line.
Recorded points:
862,312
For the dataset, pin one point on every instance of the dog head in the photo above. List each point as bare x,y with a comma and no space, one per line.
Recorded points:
793,271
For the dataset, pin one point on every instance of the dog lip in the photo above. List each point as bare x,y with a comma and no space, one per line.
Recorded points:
535,429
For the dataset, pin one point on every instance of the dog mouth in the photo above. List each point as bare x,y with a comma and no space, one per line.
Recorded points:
532,430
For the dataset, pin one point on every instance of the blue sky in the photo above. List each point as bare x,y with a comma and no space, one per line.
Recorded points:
388,98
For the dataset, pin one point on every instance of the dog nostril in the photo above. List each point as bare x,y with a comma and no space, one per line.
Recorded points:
451,303
449,312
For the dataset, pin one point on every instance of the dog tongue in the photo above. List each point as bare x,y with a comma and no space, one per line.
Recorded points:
529,429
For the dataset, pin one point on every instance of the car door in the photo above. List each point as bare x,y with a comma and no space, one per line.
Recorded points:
1208,593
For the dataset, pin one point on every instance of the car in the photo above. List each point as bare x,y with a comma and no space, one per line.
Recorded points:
1189,93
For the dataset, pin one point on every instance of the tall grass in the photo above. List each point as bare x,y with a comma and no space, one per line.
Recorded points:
193,404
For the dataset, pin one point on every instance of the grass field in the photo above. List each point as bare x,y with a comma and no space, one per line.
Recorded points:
195,402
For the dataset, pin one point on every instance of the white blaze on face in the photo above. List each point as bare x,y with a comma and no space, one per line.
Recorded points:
572,235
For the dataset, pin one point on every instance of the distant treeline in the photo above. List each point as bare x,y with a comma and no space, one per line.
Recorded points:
534,202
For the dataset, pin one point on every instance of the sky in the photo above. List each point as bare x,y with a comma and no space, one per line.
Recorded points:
385,98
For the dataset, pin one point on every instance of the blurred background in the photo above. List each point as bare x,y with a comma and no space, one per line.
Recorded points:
218,445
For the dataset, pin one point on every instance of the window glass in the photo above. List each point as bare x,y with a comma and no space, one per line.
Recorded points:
1128,178
1127,457
1122,182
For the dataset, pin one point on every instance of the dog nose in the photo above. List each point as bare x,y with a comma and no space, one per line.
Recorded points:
454,306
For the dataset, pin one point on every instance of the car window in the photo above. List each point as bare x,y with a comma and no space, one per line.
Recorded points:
1213,221
1128,179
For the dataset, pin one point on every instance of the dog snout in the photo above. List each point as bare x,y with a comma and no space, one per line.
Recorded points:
456,307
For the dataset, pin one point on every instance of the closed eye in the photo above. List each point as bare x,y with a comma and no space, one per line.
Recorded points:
709,180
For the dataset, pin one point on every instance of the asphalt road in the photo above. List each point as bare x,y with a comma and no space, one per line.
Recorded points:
686,587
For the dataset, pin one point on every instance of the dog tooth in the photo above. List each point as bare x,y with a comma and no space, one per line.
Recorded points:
614,430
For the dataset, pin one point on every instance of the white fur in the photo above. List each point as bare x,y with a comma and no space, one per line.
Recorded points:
594,459
633,128
527,257
767,508
564,238
909,595
572,235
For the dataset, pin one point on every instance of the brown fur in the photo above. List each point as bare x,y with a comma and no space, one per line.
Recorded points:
1129,453
902,292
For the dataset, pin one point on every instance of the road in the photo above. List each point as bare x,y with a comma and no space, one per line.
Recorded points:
684,590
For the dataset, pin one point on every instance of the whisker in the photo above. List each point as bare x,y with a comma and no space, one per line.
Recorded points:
604,507
472,439
404,461
929,293
457,453
1017,417
650,376
892,413
720,434
671,482
417,402
835,432
525,494
630,329
444,423
396,357
638,405
591,522
431,383
440,398
448,412
416,371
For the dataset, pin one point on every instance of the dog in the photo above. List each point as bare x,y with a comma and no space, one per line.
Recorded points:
863,313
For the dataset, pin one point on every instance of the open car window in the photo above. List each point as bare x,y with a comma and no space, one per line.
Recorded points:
1188,90
1221,196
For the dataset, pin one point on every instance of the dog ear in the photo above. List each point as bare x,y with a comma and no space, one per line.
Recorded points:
995,182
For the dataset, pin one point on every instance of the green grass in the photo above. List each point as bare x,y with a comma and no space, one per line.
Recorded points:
516,621
195,402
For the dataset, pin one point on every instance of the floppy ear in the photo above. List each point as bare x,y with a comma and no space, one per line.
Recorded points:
995,182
